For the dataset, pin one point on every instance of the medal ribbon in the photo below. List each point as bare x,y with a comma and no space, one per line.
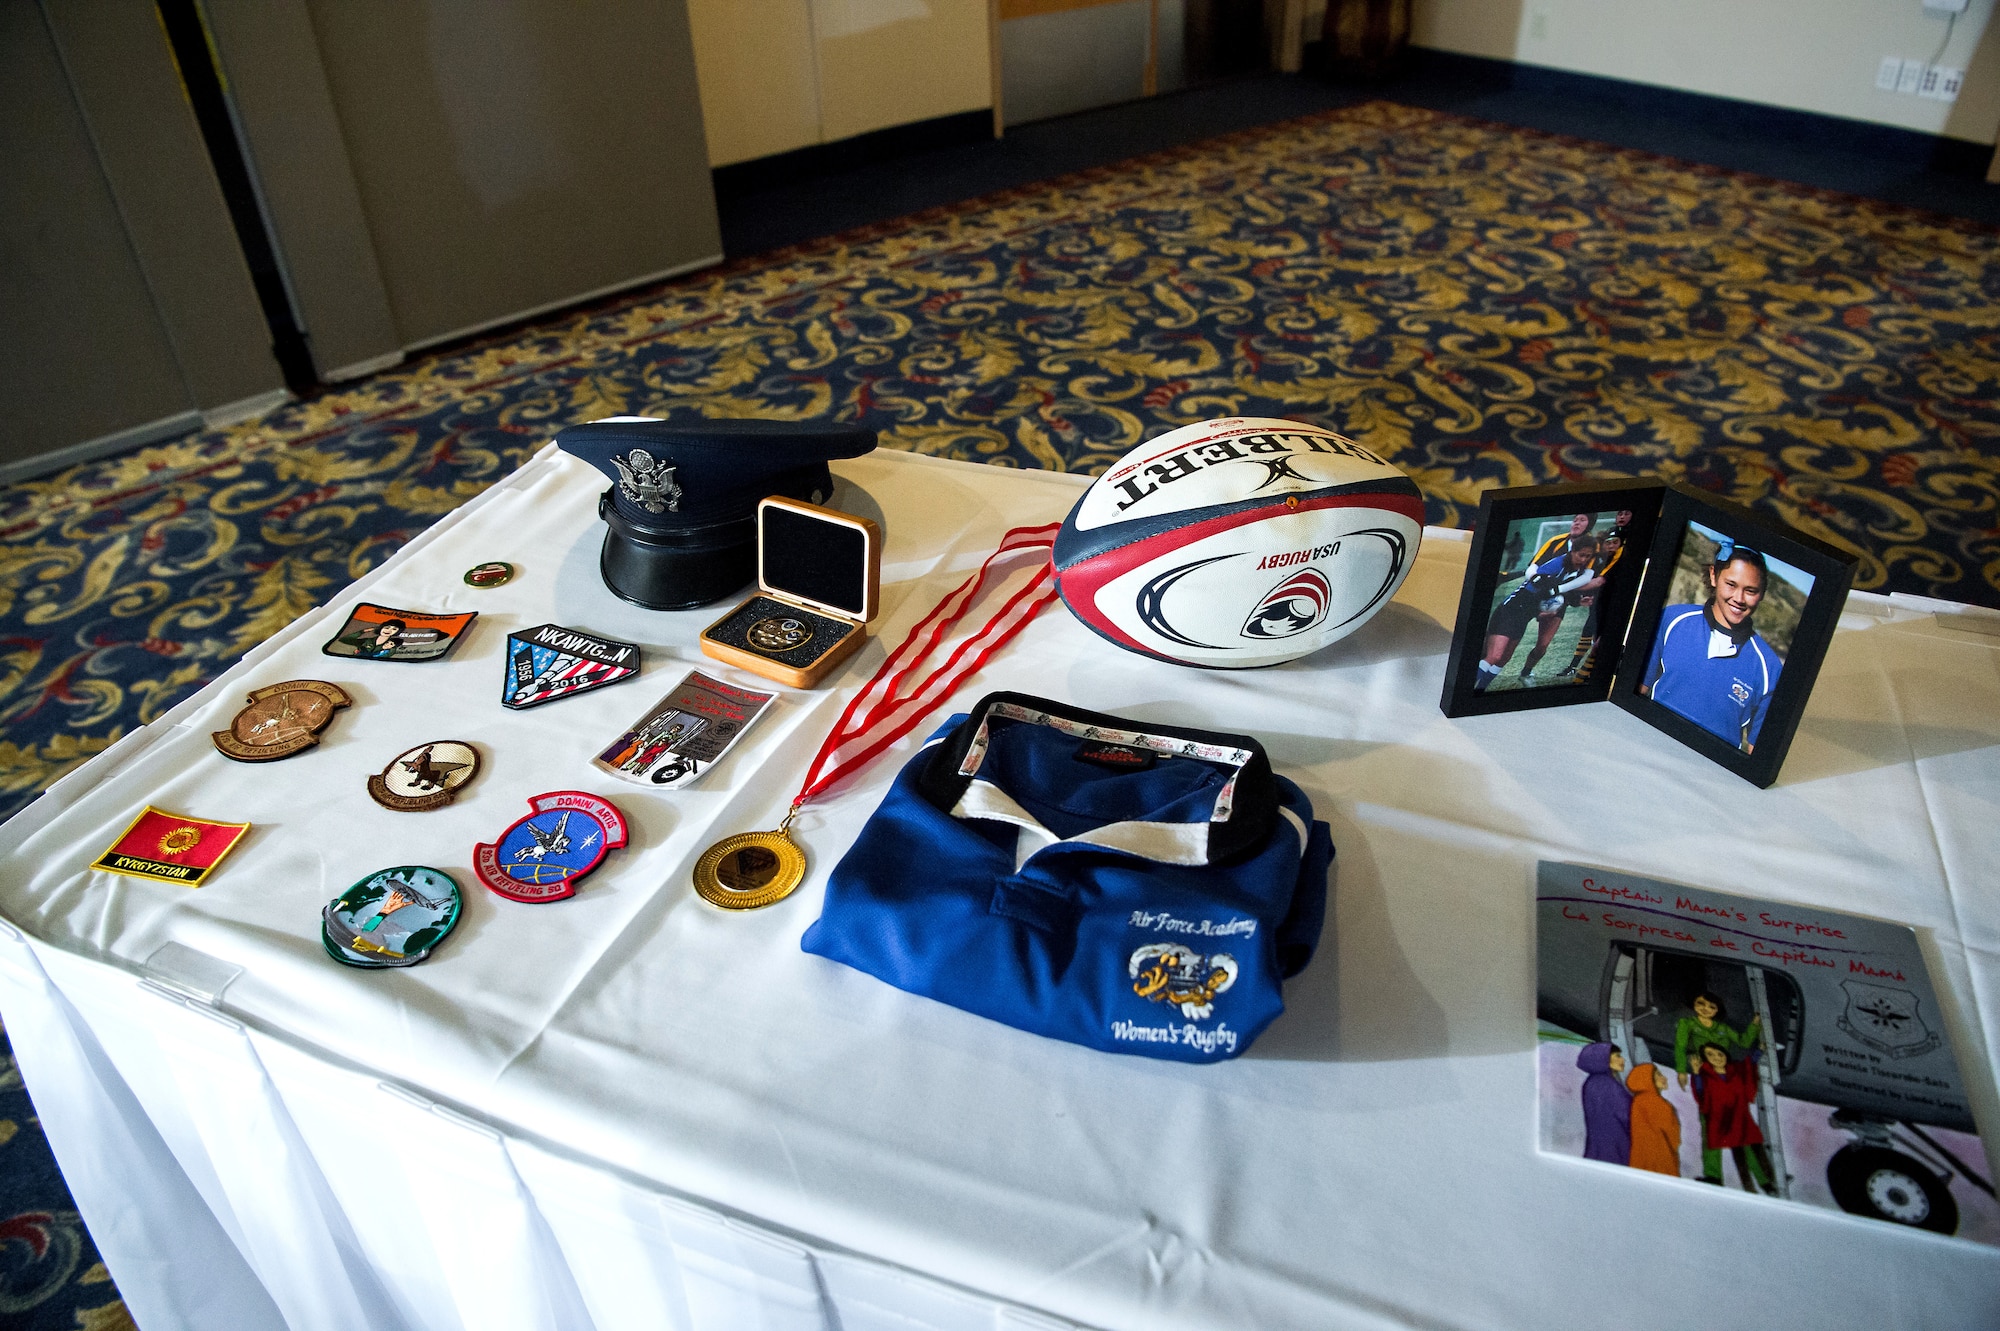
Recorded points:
900,712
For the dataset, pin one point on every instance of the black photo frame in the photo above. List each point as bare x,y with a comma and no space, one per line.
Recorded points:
1786,554
1742,664
1487,588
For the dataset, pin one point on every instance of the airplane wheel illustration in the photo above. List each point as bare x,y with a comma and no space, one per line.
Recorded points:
1888,1185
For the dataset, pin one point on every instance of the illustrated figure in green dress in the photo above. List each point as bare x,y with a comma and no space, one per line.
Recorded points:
1722,1080
1706,1026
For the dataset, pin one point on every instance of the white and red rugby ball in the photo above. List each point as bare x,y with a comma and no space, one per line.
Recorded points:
1238,542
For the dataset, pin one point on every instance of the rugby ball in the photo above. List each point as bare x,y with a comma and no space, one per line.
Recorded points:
1237,543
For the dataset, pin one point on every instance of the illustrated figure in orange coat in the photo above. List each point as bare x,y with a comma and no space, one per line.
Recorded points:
1656,1128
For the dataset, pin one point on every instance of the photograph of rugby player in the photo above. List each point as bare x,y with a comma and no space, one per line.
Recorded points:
1554,594
1729,630
1723,638
1549,586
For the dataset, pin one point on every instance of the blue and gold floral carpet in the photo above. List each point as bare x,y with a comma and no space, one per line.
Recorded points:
1486,306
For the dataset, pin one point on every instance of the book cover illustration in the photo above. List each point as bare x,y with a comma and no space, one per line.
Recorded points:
685,733
1788,1051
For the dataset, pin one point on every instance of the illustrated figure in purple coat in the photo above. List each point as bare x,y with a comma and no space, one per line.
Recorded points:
1607,1105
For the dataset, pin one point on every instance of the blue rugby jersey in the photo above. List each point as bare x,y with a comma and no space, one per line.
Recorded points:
1137,888
1720,683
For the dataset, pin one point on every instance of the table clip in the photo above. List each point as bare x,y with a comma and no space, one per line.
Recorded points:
186,973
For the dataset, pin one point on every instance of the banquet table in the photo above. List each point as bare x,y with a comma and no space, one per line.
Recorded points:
630,1109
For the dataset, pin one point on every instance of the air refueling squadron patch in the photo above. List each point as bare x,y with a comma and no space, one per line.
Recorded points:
280,720
541,857
551,662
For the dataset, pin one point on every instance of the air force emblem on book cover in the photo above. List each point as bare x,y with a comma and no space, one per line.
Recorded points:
551,662
1886,1018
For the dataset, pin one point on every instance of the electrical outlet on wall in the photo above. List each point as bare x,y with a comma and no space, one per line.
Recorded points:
1912,76
1945,84
1891,70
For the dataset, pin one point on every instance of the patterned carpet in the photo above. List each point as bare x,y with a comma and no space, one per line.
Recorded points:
1486,306
50,1278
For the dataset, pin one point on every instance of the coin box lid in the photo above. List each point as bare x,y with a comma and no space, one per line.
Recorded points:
820,558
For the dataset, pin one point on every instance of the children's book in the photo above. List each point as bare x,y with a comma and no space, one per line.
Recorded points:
1787,1051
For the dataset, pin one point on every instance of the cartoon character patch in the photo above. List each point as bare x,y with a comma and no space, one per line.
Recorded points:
390,918
1171,973
541,857
378,633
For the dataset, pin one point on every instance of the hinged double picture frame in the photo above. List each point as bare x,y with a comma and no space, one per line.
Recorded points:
1702,618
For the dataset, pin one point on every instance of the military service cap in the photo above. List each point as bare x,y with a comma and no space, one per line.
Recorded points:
681,511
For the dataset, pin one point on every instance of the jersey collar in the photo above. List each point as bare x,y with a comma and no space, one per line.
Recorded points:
1241,819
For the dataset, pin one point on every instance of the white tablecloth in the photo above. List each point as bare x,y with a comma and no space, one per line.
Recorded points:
629,1109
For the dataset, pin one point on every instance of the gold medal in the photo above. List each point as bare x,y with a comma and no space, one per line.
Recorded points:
751,869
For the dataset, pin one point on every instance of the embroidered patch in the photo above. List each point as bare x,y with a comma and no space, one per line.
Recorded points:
1171,973
170,846
426,777
393,917
550,662
377,633
541,857
280,720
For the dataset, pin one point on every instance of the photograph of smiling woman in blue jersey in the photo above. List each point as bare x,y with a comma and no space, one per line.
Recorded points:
1724,635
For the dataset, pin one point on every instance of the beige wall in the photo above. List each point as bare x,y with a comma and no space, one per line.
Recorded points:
782,74
1810,55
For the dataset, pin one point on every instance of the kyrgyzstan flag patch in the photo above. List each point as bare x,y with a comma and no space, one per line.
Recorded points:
170,846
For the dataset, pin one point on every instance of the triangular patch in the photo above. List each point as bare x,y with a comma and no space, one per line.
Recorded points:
550,662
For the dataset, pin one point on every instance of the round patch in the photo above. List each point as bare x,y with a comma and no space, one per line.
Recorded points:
426,777
541,857
393,917
494,574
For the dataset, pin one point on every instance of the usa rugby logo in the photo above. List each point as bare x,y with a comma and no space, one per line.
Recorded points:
1298,603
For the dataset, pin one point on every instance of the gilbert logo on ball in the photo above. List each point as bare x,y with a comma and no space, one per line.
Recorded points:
1238,542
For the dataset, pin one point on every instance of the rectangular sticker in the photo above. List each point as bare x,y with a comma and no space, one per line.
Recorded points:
685,733
378,633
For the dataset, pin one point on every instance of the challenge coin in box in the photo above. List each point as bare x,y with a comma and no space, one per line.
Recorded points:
818,574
